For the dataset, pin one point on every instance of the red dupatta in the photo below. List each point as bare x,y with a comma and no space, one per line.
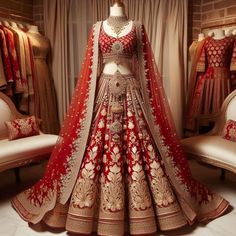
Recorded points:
196,200
64,164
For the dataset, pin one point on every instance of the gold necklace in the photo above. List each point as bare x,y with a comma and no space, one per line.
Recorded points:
117,23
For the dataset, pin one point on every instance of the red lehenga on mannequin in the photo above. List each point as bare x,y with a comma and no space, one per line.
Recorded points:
217,63
118,165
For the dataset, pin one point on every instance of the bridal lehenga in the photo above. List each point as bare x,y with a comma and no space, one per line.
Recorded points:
118,165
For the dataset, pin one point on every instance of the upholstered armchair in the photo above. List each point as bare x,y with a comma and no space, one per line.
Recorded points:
212,148
19,152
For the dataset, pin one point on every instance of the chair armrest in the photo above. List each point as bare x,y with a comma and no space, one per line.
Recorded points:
207,118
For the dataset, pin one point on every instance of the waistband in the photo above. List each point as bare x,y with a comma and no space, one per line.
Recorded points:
109,57
110,76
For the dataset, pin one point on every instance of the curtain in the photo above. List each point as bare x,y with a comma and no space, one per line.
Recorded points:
56,14
166,25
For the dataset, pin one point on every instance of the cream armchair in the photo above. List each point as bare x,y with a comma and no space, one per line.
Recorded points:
16,153
211,148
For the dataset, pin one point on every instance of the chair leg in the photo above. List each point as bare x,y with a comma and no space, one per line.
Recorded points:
222,176
17,174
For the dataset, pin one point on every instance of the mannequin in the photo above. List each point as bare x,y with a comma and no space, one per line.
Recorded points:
234,32
33,29
117,10
200,37
210,33
228,32
219,34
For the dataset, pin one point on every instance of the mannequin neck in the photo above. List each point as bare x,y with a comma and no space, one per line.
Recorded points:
228,32
234,32
219,34
33,29
200,37
117,11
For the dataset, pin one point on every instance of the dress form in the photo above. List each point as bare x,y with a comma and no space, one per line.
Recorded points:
219,34
33,29
210,34
228,32
113,67
234,32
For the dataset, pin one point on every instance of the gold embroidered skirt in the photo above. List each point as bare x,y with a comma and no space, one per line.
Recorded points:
122,185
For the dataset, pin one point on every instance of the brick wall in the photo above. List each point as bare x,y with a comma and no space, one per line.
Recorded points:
17,10
38,14
194,19
210,13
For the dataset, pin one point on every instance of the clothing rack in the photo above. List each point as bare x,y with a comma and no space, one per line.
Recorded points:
14,17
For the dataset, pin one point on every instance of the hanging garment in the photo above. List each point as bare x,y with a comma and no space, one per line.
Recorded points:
23,103
118,165
44,83
18,87
6,63
217,60
3,80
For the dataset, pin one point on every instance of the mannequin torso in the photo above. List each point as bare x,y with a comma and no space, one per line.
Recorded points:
113,67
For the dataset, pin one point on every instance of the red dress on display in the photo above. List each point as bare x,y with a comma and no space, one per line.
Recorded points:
18,88
118,165
217,60
6,63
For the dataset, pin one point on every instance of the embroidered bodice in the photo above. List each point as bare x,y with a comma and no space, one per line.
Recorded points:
117,49
219,52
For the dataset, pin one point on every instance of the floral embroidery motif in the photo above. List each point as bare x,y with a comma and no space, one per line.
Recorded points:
21,128
229,131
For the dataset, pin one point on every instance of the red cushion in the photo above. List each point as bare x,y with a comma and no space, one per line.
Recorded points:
21,128
229,131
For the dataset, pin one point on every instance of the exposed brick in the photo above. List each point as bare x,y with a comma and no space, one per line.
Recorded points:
231,10
38,17
196,16
196,9
224,4
38,10
10,5
196,2
216,14
37,2
28,10
230,21
212,23
207,1
196,24
204,17
207,7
